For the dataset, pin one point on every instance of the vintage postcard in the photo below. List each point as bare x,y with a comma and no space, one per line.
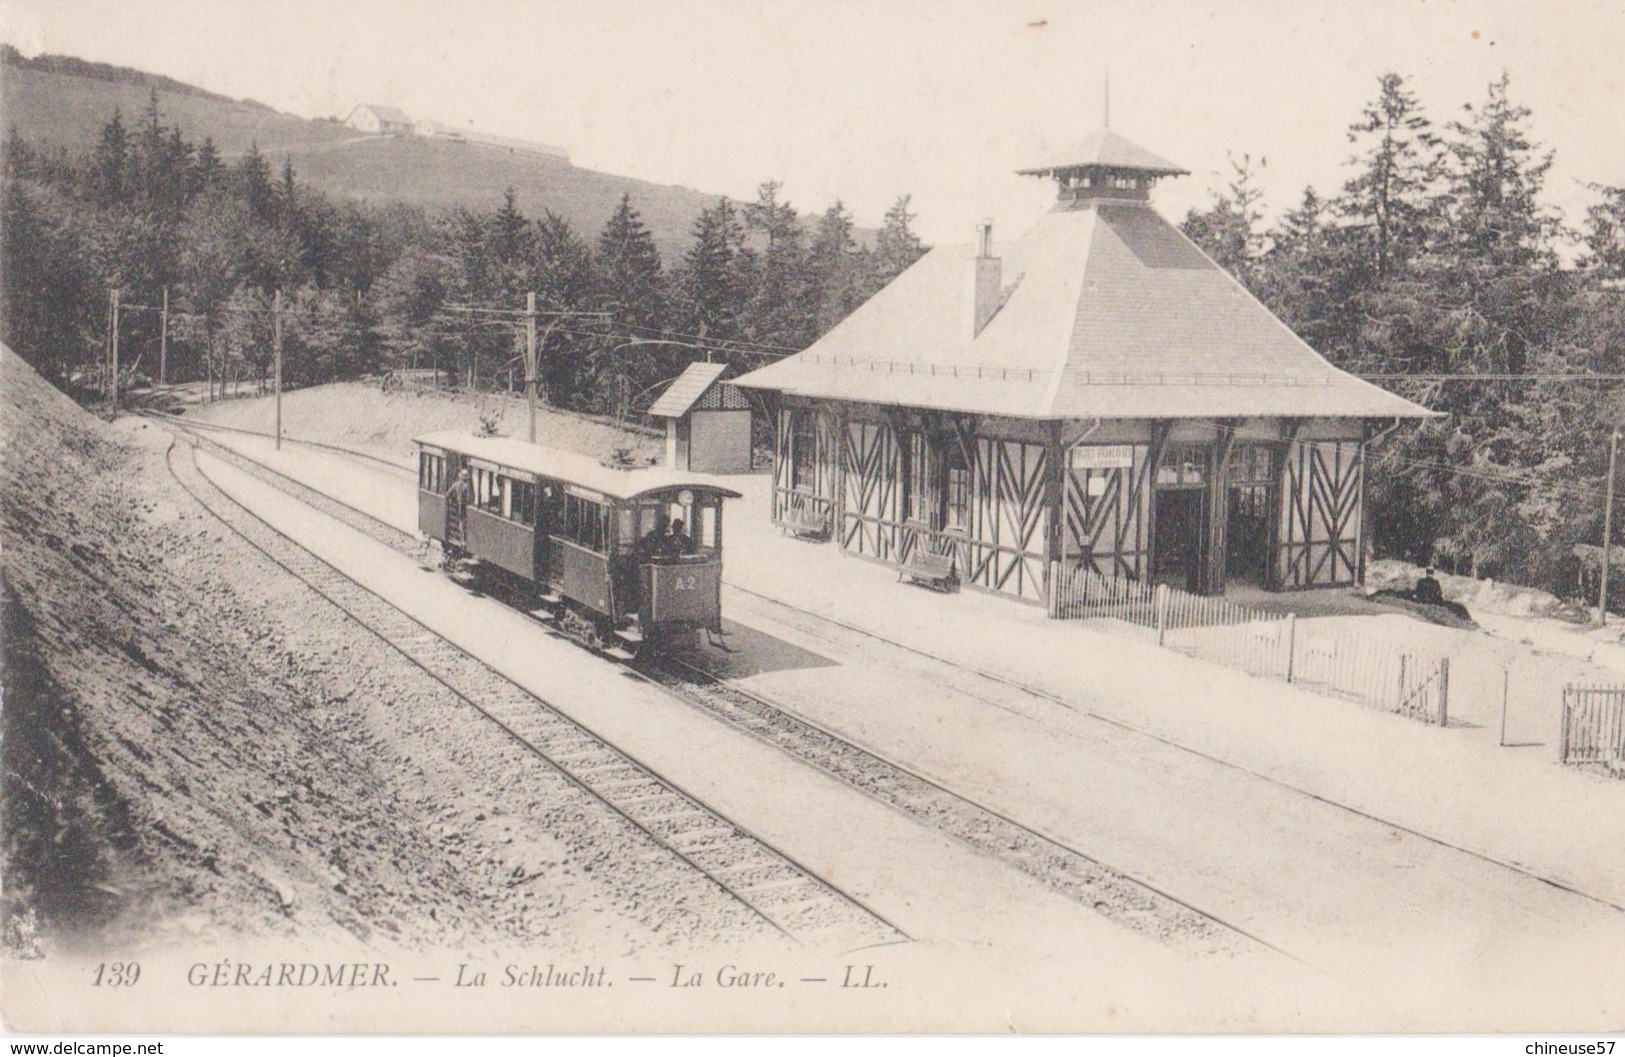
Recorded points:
904,517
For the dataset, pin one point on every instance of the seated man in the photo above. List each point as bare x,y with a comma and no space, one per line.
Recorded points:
1427,590
678,542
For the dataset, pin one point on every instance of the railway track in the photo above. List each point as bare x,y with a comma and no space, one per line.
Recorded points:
1063,869
771,884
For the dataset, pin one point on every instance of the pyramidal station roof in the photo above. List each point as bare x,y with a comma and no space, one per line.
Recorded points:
1102,309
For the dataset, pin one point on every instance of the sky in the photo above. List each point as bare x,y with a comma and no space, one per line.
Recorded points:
864,101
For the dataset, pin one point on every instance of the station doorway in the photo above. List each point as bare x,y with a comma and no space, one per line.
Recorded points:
1249,502
1180,533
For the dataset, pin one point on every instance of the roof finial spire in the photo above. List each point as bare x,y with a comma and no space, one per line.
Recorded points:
1107,123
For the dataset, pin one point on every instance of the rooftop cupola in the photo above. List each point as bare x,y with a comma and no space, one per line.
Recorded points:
1104,166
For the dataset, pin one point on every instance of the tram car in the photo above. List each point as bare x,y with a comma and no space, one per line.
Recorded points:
591,541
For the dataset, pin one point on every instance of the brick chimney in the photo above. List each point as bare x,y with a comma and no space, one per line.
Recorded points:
989,279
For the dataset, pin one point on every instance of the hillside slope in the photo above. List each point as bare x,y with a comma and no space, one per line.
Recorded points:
57,108
196,744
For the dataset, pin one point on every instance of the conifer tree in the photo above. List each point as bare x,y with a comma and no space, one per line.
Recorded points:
1228,230
709,287
776,310
1604,235
253,176
1398,162
631,289
111,164
562,276
896,246
832,270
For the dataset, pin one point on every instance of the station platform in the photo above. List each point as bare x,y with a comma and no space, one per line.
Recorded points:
1396,853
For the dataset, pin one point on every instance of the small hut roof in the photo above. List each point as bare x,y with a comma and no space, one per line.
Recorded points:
686,391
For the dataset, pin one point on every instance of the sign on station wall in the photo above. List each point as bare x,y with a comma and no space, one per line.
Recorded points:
1103,457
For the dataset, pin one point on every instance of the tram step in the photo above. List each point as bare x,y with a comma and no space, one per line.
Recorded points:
618,653
632,635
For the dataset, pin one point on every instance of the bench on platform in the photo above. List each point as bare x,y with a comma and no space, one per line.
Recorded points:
935,571
806,523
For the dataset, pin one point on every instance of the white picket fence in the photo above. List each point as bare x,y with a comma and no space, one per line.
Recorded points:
1371,668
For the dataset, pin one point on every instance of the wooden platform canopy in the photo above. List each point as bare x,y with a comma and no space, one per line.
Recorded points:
1099,393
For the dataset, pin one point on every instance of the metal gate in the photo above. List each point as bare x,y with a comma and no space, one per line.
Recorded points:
1593,730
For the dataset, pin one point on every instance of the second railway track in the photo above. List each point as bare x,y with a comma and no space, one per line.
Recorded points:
1065,870
772,884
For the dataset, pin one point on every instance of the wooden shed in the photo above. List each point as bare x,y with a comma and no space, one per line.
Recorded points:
707,422
1097,395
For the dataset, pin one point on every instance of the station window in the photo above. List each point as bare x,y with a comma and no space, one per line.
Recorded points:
956,488
1184,465
917,491
803,449
1251,473
432,473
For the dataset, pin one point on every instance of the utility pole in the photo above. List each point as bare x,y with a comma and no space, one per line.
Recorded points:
276,349
532,372
113,374
1607,530
163,339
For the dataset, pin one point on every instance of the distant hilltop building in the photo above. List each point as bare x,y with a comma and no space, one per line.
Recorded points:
379,120
388,121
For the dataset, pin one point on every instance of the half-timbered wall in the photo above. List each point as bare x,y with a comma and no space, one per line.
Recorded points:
805,479
1009,520
871,508
1108,491
1321,491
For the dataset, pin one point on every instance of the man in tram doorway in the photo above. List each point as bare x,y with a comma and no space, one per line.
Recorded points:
457,497
653,543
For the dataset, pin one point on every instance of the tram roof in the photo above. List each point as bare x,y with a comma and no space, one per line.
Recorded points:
569,467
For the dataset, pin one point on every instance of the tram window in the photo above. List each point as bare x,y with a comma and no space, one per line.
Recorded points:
705,529
525,512
584,523
432,473
649,516
488,491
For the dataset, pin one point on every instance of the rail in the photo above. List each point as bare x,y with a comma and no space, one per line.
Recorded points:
771,884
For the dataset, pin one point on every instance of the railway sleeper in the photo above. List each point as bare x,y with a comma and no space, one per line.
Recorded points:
652,807
687,840
781,886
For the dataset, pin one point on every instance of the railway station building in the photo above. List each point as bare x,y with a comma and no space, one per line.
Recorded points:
1096,395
